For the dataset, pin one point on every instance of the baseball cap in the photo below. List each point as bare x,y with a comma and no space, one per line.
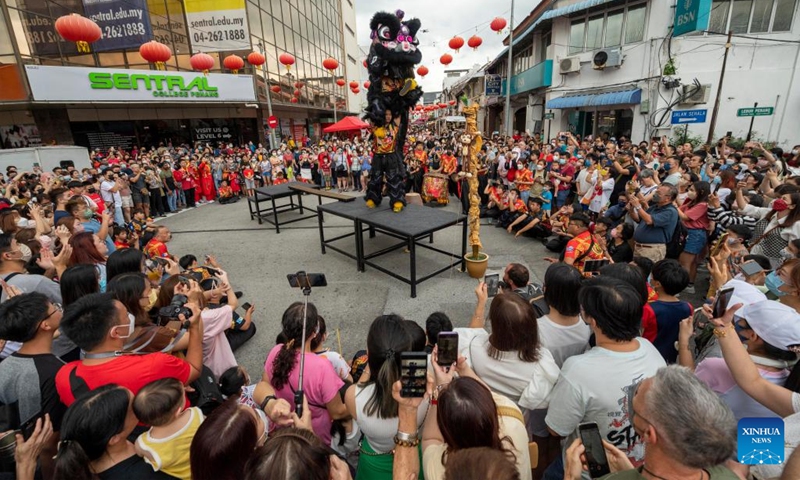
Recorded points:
776,323
744,293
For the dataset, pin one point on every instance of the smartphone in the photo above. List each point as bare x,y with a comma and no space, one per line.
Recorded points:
729,134
303,279
28,427
448,348
492,283
246,306
594,265
413,374
721,303
595,452
161,261
750,268
720,243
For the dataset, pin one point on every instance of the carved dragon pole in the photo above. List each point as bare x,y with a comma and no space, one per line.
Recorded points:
471,115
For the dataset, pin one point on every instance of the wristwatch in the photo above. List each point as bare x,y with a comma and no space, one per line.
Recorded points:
266,401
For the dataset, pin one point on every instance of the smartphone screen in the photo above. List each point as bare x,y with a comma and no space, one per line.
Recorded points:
595,452
751,268
448,348
413,374
492,283
246,306
721,303
314,280
594,265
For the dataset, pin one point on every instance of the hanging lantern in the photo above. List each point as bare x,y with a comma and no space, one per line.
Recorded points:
256,59
330,64
299,85
233,63
367,84
286,60
275,88
155,52
364,62
79,29
356,90
498,24
294,100
442,105
456,43
452,102
202,61
474,42
418,108
340,82
297,93
422,71
446,59
353,85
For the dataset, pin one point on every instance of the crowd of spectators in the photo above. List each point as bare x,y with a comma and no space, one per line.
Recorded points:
119,359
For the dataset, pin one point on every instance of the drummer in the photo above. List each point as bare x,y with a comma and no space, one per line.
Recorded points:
414,169
449,168
421,156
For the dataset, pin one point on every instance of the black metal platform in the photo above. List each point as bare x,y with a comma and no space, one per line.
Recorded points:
411,225
270,213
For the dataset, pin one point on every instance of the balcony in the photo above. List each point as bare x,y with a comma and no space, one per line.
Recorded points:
538,76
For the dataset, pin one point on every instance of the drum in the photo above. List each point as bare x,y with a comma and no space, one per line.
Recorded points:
434,187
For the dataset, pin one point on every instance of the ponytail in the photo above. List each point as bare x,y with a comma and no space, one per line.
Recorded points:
71,462
292,322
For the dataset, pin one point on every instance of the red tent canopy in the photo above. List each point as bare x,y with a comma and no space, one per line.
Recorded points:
347,124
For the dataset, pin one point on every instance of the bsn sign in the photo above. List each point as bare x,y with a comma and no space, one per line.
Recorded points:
691,16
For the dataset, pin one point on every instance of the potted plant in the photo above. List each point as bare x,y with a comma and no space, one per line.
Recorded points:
471,143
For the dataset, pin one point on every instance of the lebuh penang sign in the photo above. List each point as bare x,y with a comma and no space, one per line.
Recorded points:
78,84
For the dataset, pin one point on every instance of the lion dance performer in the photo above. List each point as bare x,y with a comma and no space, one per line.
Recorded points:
392,92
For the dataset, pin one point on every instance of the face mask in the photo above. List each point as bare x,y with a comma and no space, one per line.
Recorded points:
786,254
87,214
795,152
26,252
131,327
587,163
562,161
717,180
773,282
539,167
656,197
779,205
691,195
22,222
732,241
730,161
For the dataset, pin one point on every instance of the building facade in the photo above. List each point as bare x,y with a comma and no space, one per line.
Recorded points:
53,93
615,67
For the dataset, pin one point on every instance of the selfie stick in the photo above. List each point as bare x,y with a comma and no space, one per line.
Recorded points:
304,283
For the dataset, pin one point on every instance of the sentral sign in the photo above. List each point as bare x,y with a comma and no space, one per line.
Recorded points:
78,84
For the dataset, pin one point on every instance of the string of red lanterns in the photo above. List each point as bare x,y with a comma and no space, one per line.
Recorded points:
456,43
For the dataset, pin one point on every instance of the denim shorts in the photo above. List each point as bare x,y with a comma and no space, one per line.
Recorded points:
695,240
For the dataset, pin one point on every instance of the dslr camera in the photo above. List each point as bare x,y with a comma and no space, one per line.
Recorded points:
176,308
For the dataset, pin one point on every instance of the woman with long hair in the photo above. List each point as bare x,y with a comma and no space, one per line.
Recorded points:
371,404
777,225
321,384
694,216
295,453
94,439
124,260
89,249
78,281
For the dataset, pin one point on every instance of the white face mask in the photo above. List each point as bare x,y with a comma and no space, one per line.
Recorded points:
131,327
22,222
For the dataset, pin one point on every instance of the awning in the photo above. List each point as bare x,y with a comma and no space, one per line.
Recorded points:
347,124
626,97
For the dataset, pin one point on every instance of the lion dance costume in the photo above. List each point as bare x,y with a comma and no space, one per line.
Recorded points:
392,93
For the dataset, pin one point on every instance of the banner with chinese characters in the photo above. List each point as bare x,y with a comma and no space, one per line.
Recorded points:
124,23
217,25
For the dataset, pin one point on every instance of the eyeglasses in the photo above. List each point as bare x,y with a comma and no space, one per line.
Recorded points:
59,308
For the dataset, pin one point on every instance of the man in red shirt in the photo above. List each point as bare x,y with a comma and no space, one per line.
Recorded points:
157,246
566,175
100,326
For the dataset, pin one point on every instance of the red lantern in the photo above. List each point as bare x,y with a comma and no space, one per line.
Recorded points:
294,100
286,60
456,43
256,59
155,52
233,63
452,102
340,82
422,71
498,24
364,62
442,105
367,84
330,64
297,93
275,88
446,59
79,29
474,42
299,85
353,85
202,61
418,107
356,90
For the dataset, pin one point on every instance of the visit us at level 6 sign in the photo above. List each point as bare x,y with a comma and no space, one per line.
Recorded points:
217,25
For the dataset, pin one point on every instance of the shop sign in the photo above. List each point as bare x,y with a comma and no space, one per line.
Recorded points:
691,16
680,117
217,25
76,84
123,23
755,112
212,134
494,83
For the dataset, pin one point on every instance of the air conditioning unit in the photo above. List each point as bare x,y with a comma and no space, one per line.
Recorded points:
609,57
570,65
693,94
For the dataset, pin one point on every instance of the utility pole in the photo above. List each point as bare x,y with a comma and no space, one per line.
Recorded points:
719,90
268,93
509,127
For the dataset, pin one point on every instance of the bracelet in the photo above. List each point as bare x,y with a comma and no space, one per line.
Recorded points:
406,443
721,332
266,401
406,437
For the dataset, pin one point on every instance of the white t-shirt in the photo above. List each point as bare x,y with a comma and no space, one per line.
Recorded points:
563,342
593,387
528,384
586,181
108,196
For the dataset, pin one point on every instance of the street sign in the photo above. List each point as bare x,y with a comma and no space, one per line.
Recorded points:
549,116
272,122
680,117
691,16
493,86
755,112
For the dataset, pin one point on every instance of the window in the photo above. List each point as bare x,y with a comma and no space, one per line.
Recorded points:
607,29
751,16
349,29
352,60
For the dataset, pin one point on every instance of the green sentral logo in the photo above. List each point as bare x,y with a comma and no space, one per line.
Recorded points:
162,85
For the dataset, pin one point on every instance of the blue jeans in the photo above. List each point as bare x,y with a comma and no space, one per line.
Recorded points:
119,219
172,199
525,195
556,470
181,197
561,198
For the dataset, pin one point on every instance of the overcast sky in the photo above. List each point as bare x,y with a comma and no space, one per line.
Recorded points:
443,19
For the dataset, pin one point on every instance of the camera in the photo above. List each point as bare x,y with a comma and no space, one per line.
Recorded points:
176,308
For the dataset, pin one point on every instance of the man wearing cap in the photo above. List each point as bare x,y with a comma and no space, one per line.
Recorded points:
656,224
76,188
109,190
765,328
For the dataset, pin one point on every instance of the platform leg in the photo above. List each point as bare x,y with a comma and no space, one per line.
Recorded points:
412,247
275,216
258,211
359,246
463,245
321,231
300,202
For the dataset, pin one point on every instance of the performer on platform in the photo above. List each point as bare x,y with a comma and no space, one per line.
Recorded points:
387,160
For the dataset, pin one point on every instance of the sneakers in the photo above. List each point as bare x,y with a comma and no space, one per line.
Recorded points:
370,204
397,207
689,289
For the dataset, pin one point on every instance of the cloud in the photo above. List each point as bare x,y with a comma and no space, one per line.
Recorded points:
443,19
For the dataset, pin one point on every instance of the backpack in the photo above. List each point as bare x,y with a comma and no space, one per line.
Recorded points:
678,241
206,396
